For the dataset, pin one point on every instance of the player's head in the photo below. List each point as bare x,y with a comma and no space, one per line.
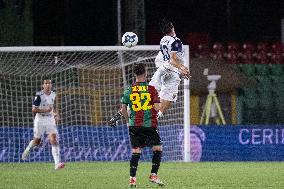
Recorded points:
140,70
47,84
166,26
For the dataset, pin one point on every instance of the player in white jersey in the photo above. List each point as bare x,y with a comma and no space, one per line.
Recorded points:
169,62
45,122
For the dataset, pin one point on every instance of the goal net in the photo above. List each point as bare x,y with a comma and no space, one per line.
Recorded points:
88,82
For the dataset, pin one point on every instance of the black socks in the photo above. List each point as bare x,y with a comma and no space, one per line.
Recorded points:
134,164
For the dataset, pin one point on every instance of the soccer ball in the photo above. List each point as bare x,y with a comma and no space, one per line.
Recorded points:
129,39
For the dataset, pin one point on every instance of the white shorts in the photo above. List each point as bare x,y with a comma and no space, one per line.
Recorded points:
43,125
166,83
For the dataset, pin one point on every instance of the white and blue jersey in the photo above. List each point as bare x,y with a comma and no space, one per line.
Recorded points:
166,79
44,122
169,44
42,101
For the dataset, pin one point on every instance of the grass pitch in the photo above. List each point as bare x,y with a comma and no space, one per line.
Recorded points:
104,175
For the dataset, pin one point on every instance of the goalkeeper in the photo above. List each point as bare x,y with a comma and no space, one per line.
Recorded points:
143,102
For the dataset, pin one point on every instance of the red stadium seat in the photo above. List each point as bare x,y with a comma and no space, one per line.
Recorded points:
218,51
262,57
233,57
194,39
233,53
202,51
277,47
262,46
233,46
262,53
247,58
248,47
277,58
248,53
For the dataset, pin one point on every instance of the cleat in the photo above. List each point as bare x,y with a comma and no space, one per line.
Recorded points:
25,154
132,182
153,178
60,165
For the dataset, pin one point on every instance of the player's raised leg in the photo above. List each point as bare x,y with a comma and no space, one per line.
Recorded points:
55,149
38,131
169,92
33,143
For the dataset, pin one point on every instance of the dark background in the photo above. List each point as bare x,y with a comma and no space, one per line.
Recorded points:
94,22
238,20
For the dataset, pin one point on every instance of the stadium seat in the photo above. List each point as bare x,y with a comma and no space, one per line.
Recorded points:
247,69
264,83
277,47
277,57
218,51
233,53
233,46
233,57
250,103
265,100
194,39
248,51
261,69
279,117
277,79
279,103
262,53
276,69
262,57
262,46
248,47
202,51
277,92
250,117
249,93
247,58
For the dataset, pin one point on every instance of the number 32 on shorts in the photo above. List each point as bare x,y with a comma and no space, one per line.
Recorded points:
136,101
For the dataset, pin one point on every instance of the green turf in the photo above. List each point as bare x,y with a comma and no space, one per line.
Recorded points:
115,175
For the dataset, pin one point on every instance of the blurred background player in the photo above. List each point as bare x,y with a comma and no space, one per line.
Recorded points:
143,102
169,62
45,122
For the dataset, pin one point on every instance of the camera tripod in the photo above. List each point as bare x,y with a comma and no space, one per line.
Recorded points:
212,104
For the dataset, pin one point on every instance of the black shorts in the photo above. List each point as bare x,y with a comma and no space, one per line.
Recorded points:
144,136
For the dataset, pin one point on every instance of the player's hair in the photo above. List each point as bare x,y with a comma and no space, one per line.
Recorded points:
166,26
45,78
139,69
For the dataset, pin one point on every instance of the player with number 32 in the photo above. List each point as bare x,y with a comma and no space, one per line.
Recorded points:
143,102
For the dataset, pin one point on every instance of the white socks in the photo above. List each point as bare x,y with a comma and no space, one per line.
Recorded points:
31,145
56,153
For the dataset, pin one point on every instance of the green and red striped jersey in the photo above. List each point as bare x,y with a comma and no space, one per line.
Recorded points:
141,97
